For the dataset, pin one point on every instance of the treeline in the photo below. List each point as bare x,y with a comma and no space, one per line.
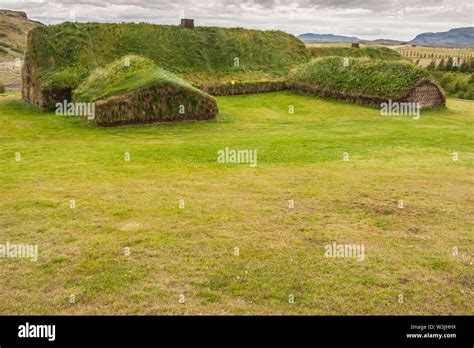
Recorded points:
437,55
450,64
456,79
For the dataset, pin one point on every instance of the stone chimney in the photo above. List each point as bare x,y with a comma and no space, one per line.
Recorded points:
187,23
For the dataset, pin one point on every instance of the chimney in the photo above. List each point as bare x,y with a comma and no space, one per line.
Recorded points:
187,23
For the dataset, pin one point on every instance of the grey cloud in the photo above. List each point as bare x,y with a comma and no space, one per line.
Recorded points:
363,18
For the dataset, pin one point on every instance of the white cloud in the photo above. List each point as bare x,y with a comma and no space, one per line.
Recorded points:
364,18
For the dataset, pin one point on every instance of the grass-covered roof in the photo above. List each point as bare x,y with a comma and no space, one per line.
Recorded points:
125,75
63,55
389,79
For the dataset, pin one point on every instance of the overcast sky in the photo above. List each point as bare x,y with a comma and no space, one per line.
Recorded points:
368,19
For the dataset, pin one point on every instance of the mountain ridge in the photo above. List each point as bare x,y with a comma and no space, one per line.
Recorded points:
14,28
455,37
311,37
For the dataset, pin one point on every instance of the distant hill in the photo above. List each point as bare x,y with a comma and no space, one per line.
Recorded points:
14,28
310,37
387,42
458,37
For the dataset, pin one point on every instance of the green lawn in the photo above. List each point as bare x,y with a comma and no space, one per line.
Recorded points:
135,204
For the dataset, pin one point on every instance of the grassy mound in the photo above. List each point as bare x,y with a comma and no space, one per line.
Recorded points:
382,53
64,54
134,90
125,75
361,76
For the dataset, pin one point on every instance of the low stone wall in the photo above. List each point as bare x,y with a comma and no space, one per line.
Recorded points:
427,93
243,87
155,104
326,93
44,98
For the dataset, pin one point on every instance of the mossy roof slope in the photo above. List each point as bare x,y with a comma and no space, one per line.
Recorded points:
389,79
127,74
63,55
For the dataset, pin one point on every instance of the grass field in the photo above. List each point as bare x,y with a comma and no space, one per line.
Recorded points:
424,55
420,54
434,52
185,261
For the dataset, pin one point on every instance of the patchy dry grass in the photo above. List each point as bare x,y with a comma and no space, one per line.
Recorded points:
190,251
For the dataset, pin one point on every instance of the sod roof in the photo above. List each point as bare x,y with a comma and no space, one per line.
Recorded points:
388,79
63,55
124,75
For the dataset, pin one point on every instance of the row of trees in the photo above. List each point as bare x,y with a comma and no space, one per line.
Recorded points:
417,54
467,66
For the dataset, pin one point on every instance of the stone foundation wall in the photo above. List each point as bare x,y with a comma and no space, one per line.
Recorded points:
43,98
155,104
326,93
426,92
243,88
